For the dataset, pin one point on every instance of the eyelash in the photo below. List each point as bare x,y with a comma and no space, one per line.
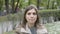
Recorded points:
33,13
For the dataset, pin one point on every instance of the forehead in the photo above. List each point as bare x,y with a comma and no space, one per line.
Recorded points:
31,11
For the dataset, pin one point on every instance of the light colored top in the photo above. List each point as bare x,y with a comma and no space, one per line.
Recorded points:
39,30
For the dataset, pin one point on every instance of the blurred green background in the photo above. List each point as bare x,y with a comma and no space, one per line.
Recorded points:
11,14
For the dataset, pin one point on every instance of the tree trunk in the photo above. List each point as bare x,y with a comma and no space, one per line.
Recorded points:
48,4
1,4
16,6
29,2
7,5
38,2
13,6
52,4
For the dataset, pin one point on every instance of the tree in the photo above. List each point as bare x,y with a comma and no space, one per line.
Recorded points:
29,2
16,6
7,5
13,6
1,4
58,2
52,4
48,4
38,2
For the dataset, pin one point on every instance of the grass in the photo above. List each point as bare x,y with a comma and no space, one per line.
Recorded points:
11,32
53,28
3,18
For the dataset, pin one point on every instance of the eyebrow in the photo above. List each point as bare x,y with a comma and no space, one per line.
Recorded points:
30,12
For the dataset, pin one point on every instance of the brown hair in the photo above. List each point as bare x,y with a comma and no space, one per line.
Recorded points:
24,18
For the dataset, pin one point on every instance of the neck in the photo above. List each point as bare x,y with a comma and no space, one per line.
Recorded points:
30,25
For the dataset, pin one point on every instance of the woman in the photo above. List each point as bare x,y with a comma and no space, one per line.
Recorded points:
30,24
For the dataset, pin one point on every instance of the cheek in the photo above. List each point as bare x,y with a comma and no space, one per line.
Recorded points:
35,17
27,17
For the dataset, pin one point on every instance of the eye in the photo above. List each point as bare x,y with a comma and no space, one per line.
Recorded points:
29,13
34,14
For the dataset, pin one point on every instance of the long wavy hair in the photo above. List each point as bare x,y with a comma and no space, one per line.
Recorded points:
24,17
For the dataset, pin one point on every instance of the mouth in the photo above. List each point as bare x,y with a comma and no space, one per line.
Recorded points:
32,19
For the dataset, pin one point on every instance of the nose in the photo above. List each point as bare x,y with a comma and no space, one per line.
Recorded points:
32,15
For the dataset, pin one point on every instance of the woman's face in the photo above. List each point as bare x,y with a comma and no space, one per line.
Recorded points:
31,16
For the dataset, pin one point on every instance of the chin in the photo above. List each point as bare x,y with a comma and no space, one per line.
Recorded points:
32,22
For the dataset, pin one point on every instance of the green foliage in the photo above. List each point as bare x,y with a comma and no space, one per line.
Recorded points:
11,17
1,4
34,2
23,3
43,3
58,2
3,18
50,12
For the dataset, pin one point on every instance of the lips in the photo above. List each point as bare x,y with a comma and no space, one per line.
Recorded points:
32,19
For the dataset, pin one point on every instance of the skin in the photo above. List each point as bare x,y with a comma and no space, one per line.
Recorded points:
31,17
